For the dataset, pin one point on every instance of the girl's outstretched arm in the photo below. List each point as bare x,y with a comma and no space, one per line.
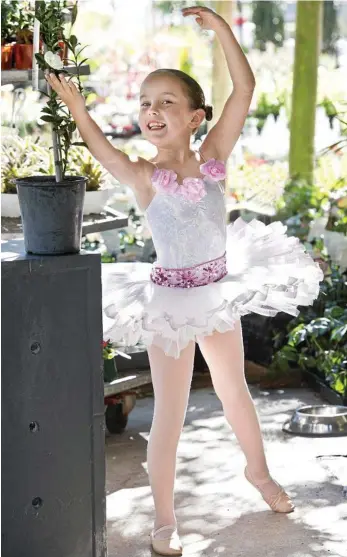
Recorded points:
223,136
134,174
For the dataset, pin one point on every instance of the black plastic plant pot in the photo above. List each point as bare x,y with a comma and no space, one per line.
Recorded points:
52,213
110,370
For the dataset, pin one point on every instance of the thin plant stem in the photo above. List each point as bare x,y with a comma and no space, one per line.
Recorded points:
56,150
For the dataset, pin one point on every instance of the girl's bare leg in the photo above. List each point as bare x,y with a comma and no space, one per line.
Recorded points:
171,383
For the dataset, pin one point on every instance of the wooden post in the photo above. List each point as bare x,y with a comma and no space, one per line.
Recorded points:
303,114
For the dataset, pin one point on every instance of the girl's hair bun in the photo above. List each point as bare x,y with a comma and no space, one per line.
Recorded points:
209,112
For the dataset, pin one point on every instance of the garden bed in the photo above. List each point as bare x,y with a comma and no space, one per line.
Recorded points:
326,392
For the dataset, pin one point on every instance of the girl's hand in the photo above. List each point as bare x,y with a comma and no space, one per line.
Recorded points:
67,91
206,18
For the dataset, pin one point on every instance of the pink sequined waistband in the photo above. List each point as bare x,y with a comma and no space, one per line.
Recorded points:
190,277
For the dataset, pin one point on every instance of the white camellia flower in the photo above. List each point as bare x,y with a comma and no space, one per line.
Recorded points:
54,60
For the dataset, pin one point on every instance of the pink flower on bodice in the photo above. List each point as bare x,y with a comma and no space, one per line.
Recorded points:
165,180
193,189
214,169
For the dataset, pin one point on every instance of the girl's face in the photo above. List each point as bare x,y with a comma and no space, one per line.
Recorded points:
165,115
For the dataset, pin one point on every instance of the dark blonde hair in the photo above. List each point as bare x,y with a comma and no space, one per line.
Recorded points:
194,92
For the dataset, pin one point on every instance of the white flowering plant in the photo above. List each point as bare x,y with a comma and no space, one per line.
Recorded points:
51,16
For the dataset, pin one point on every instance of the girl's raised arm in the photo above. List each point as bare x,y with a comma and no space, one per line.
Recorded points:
225,133
134,174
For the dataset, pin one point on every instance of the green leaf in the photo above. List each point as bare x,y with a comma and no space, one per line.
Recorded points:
297,335
81,63
338,333
74,14
289,353
339,385
319,326
47,110
80,144
334,311
73,41
48,118
72,126
307,361
40,58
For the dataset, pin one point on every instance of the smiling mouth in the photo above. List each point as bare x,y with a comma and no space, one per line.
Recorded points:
155,126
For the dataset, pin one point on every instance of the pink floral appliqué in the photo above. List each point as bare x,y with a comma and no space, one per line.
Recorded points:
213,169
193,189
165,180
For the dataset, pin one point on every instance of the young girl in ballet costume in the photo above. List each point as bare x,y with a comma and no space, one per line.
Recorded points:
207,274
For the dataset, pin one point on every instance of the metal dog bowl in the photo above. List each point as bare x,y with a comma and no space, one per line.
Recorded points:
318,421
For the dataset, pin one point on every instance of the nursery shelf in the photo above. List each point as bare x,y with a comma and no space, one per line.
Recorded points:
109,219
127,381
25,76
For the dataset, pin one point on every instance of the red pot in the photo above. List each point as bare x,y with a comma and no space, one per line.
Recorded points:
23,56
7,56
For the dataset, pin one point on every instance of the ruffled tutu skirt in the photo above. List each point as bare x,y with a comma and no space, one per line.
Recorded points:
267,272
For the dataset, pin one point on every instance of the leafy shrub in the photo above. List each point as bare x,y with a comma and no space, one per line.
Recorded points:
316,340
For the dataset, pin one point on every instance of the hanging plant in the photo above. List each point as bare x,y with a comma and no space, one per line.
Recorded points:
330,109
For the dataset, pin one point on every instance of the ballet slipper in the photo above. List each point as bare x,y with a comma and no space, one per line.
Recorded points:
280,502
166,545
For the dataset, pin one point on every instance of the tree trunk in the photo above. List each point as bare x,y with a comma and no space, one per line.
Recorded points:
303,114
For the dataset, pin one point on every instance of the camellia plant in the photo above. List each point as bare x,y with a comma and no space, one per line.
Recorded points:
51,17
52,205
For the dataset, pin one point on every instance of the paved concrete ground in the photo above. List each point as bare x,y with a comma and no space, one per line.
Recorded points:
218,512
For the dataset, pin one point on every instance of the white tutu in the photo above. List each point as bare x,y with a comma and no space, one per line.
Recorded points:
268,272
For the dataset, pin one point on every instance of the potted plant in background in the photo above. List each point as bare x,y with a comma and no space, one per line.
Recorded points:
108,355
20,157
52,206
23,16
23,50
9,14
